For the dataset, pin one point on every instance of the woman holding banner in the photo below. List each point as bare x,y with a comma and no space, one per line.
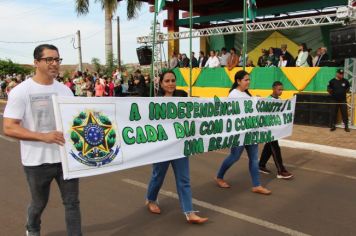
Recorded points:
180,166
240,90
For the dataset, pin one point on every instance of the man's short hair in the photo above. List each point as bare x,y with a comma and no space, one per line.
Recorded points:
277,83
138,71
233,49
37,53
223,49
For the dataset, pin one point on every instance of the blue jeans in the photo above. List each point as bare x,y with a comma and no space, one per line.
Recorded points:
181,172
39,179
252,152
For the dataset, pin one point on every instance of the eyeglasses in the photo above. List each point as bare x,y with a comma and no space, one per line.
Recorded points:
51,60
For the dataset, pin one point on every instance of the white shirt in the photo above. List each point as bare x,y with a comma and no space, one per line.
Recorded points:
213,62
235,93
302,59
223,59
31,103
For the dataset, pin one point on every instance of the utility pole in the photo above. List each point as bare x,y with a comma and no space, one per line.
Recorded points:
118,43
80,52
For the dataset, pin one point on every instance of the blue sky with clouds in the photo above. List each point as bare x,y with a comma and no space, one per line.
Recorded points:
30,20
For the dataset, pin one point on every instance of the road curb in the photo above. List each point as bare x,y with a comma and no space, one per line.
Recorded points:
344,152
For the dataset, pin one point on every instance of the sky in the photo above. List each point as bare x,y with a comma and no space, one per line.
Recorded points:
23,21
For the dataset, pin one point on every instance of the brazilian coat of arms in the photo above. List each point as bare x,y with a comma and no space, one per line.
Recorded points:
94,139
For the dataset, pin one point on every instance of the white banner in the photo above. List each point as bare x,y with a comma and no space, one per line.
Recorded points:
110,134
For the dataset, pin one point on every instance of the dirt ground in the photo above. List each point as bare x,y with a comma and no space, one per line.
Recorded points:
323,136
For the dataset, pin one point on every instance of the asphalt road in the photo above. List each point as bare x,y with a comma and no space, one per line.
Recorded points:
320,200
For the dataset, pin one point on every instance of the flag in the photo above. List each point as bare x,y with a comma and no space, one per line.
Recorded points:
160,5
252,9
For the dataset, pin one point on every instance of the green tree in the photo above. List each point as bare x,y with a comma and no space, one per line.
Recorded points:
96,63
109,7
9,67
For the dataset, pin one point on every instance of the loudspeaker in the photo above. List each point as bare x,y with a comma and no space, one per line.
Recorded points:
313,109
302,117
144,55
320,118
344,51
343,35
343,41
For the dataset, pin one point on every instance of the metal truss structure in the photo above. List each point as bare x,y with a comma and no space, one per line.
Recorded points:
350,75
157,53
309,21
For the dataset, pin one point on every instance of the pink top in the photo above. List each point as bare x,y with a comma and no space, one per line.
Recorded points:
69,84
99,90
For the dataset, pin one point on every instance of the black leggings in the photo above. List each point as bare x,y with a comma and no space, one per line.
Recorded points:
273,149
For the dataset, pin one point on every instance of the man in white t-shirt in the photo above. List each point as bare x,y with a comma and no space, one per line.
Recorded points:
29,116
213,60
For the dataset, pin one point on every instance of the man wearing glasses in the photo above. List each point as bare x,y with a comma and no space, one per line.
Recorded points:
29,116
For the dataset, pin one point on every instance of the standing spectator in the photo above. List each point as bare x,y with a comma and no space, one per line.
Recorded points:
310,58
140,84
3,86
316,58
243,59
99,89
95,76
118,90
323,56
111,87
180,61
29,116
202,59
213,60
68,83
302,59
148,84
89,86
12,84
272,57
194,61
185,60
232,60
78,81
287,56
337,88
173,63
262,60
273,148
117,74
224,57
131,84
283,62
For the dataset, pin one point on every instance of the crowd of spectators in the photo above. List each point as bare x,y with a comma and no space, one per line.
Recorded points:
273,57
8,82
91,84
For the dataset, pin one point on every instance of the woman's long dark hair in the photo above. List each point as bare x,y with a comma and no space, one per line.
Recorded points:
161,92
239,76
304,46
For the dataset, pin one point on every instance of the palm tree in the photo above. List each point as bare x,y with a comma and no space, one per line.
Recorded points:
109,7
